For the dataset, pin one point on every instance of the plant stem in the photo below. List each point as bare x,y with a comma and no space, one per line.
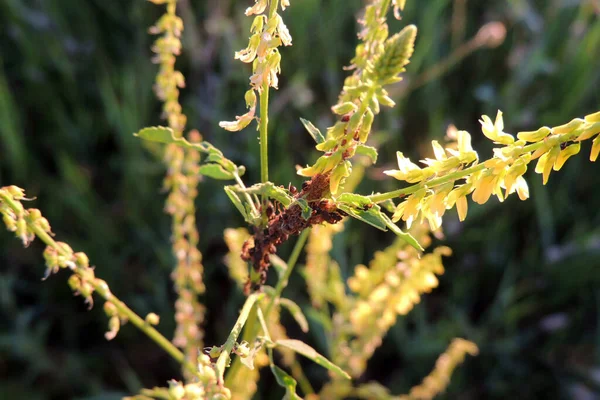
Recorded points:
264,116
248,198
103,290
282,283
223,359
451,177
263,128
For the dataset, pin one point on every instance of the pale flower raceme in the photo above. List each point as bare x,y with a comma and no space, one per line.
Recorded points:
268,33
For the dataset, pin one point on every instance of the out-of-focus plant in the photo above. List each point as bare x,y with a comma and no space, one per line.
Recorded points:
355,321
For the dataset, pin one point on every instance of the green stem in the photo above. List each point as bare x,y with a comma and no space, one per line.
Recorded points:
451,177
282,283
263,129
101,288
223,359
248,198
264,116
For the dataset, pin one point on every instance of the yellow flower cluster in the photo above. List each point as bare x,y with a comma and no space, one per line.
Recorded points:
437,381
205,387
391,286
268,33
447,180
181,181
377,63
27,224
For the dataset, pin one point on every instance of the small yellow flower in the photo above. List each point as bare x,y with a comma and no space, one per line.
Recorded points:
494,131
458,197
408,171
248,54
242,121
546,162
409,209
565,154
534,136
485,185
518,168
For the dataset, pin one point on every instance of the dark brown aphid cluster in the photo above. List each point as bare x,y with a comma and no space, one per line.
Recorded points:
283,223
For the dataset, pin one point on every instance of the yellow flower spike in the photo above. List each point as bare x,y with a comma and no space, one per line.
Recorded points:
595,149
595,117
564,155
534,136
568,127
494,131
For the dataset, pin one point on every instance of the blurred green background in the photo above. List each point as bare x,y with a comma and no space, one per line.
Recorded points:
76,82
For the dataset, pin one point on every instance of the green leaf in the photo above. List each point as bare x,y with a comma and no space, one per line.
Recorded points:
296,312
310,353
158,134
407,237
368,151
161,134
215,171
313,130
371,216
270,190
285,381
237,202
